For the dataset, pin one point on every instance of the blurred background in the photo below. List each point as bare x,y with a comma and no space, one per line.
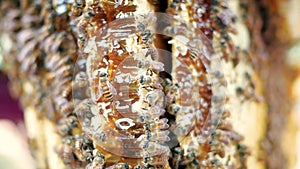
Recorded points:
14,150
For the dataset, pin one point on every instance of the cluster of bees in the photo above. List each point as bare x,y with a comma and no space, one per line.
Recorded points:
97,75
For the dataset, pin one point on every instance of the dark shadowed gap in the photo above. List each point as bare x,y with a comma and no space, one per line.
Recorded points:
161,41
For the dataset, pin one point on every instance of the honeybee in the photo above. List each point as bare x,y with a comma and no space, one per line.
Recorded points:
66,150
84,26
77,8
137,167
63,71
67,91
105,87
83,148
122,166
98,162
63,105
66,125
81,79
156,161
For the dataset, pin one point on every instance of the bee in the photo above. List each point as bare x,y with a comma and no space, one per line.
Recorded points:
218,99
123,166
137,167
145,80
156,161
194,53
67,91
81,79
177,156
155,97
83,148
57,42
77,8
98,162
160,135
63,105
81,31
67,125
27,56
173,109
63,71
146,36
106,89
66,150
64,129
84,26
159,124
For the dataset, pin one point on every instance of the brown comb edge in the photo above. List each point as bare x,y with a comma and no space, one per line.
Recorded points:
271,38
184,161
244,88
232,59
192,7
110,14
